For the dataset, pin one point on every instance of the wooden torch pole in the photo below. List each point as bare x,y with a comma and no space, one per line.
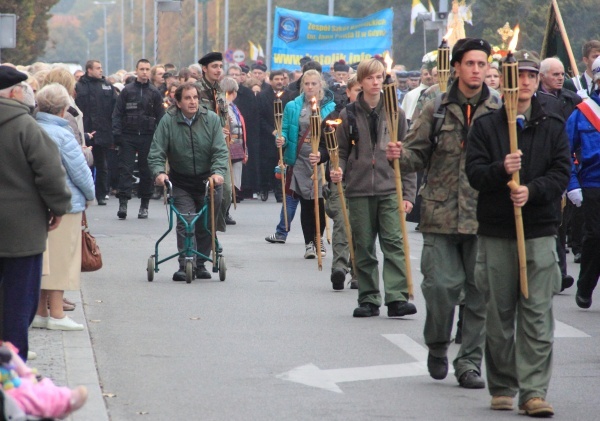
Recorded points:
278,113
315,137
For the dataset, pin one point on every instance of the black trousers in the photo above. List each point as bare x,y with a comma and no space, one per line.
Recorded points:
130,144
590,248
308,220
101,165
268,162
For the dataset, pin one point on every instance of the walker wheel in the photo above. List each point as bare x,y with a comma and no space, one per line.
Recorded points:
222,268
189,272
150,268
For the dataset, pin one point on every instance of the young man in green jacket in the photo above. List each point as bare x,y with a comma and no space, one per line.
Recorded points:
190,137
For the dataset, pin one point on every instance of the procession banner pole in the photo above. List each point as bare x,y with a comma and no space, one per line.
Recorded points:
565,38
391,110
278,113
510,89
334,160
315,136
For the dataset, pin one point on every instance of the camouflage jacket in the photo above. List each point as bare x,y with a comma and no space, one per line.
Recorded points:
213,98
448,202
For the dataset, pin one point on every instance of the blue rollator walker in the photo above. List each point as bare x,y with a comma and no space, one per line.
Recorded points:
189,252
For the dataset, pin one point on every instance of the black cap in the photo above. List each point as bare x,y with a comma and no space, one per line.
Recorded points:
414,74
304,60
210,57
244,67
9,76
469,44
402,75
527,60
341,66
259,65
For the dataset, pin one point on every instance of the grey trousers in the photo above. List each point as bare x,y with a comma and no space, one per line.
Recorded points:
333,209
192,203
448,265
519,331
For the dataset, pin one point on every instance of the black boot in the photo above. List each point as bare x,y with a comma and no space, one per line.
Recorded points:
143,213
122,213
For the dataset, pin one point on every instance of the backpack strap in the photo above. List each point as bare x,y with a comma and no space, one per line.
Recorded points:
439,113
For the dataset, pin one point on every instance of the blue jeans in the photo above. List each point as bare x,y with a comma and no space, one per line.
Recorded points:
291,205
20,280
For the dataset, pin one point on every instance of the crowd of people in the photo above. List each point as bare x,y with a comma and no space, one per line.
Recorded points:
75,139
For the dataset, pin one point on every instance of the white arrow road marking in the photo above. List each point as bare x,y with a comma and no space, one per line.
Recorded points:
311,375
563,330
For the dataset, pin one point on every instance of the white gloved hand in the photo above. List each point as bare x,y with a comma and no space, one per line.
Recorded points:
576,197
583,93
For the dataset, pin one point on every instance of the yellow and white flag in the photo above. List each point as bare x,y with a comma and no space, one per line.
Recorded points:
253,51
417,7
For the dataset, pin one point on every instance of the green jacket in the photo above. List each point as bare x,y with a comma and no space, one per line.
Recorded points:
191,150
448,202
32,181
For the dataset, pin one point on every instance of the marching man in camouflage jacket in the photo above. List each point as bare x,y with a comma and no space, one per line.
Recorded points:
448,212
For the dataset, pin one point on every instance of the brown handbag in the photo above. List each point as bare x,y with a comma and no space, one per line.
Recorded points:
91,258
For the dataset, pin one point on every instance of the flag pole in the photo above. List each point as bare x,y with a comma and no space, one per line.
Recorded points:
565,37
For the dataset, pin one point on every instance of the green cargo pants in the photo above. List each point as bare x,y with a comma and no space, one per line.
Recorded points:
372,217
522,360
448,265
339,241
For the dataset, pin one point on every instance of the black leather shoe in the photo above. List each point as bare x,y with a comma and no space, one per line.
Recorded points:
437,367
567,282
401,309
279,198
582,301
338,276
229,220
202,273
264,196
101,202
353,284
366,310
577,258
179,276
143,213
471,380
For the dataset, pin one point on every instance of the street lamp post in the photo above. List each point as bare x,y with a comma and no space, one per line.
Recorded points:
104,4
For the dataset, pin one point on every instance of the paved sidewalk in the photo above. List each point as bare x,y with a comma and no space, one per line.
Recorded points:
68,359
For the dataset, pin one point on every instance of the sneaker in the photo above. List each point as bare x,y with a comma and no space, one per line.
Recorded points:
338,276
40,322
323,248
79,396
66,323
471,380
366,310
536,407
31,355
101,202
202,273
502,403
143,213
310,252
275,238
229,220
401,309
437,367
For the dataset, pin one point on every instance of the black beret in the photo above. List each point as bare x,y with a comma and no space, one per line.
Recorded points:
340,66
210,57
468,44
259,65
304,60
244,67
9,76
527,60
402,75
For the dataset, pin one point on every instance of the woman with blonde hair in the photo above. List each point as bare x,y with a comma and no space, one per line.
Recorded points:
298,154
64,243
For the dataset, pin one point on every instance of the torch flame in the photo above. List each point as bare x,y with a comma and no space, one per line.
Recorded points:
314,103
334,122
513,43
388,62
445,38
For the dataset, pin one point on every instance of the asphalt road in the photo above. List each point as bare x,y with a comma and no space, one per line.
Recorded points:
274,342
